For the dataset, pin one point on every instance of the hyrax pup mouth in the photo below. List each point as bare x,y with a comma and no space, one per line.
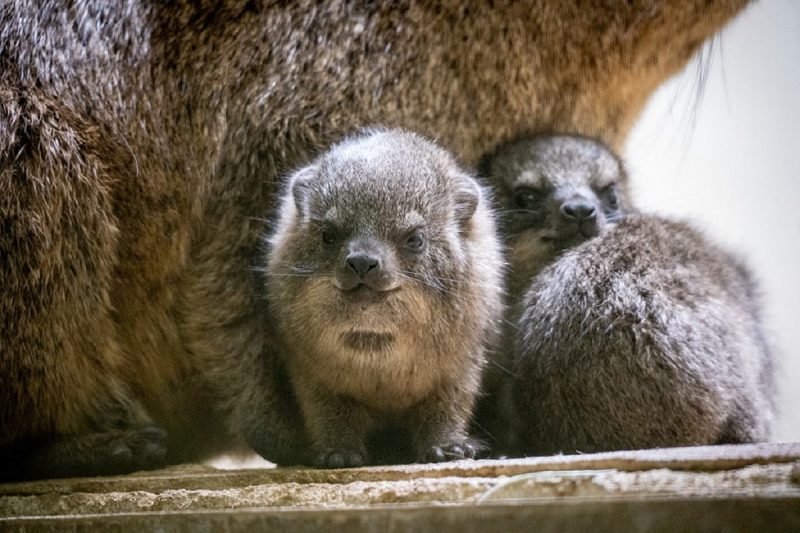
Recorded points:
567,235
365,295
366,298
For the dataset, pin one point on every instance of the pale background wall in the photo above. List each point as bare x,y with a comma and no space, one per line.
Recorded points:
731,162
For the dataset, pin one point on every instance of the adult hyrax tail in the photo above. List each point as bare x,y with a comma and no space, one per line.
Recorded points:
384,275
634,331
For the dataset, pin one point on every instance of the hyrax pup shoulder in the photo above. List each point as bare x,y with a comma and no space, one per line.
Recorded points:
634,331
384,272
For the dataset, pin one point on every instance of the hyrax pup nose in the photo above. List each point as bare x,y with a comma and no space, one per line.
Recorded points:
361,263
578,211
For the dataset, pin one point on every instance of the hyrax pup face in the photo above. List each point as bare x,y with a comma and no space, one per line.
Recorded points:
370,243
554,192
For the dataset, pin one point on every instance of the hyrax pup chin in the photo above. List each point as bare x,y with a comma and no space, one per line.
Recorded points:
634,331
384,272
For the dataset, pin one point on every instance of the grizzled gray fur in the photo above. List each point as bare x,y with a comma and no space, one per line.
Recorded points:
633,331
142,144
384,274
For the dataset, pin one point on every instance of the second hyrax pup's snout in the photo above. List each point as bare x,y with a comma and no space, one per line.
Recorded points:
579,210
384,274
580,216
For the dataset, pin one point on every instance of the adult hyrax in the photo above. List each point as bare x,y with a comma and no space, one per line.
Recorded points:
384,276
634,331
142,142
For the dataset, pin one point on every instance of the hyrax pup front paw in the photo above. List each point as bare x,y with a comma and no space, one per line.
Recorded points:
449,452
338,458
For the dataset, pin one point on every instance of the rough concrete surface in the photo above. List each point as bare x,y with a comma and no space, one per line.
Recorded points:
737,488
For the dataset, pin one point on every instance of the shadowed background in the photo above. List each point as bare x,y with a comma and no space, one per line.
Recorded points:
726,155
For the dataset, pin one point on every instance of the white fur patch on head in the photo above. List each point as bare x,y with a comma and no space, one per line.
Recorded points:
412,219
331,214
528,177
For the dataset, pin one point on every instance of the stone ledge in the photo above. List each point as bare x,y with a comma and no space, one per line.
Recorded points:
665,515
636,486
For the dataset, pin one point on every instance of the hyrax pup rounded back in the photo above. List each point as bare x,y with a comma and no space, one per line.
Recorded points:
634,331
384,274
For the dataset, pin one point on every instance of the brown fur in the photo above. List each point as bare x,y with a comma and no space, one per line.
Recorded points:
404,342
643,334
141,145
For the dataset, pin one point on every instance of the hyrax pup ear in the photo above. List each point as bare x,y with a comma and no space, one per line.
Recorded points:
465,198
300,185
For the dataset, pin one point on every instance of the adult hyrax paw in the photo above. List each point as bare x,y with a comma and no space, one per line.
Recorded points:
141,448
449,452
338,458
275,450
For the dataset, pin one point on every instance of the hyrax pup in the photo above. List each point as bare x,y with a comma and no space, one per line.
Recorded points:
543,187
634,331
384,274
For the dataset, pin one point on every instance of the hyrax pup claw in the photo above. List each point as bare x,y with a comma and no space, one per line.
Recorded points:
450,452
335,458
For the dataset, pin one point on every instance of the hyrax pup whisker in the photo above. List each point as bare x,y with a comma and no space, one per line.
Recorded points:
438,283
367,345
289,275
502,367
294,270
441,279
300,269
435,278
513,211
627,330
511,324
428,283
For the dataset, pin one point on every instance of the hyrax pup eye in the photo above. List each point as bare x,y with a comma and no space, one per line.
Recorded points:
609,196
527,198
415,241
329,236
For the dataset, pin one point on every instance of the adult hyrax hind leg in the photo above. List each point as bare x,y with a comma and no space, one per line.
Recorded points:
91,454
121,439
64,410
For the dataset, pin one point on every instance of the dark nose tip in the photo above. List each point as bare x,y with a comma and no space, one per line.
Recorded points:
361,263
578,211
